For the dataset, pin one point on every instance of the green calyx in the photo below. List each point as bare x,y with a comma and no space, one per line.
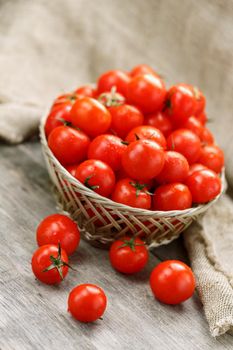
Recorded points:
139,187
112,98
57,263
130,243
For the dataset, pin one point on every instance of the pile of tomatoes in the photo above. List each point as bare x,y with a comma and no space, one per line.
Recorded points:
58,237
134,141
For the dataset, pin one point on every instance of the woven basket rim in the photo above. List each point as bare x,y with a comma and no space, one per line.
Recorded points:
193,211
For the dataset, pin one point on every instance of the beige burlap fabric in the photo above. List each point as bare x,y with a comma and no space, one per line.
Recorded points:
48,47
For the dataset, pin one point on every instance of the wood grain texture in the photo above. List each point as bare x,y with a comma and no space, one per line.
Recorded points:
34,316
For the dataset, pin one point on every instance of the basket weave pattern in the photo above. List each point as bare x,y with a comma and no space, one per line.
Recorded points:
102,220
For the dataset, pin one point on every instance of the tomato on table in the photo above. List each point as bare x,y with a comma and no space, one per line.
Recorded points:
143,159
96,175
180,103
50,264
147,92
160,121
185,142
124,119
132,193
128,255
145,132
173,196
112,78
172,282
87,302
69,145
204,185
108,149
58,228
212,157
90,116
175,169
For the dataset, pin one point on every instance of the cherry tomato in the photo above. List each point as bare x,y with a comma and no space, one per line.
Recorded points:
132,193
159,121
141,69
50,264
90,116
202,118
204,185
112,78
185,142
147,92
207,137
128,255
194,125
196,167
68,145
145,132
87,91
172,282
212,157
143,159
96,175
200,101
68,98
58,116
174,196
175,169
125,118
87,302
180,103
109,149
121,174
56,229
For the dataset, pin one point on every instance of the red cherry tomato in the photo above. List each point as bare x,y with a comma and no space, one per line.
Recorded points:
204,185
196,167
147,92
132,193
56,229
87,302
124,119
90,116
185,142
68,145
194,125
202,118
141,69
57,117
172,282
212,157
87,91
159,121
113,78
121,174
180,103
72,169
145,132
174,196
200,101
68,98
109,149
96,175
207,137
175,169
128,255
143,159
50,264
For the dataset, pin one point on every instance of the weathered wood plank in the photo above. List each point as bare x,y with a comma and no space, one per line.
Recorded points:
34,316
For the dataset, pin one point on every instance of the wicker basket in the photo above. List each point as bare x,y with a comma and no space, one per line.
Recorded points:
102,221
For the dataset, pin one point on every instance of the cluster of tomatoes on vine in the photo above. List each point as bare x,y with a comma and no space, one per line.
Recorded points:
130,139
58,237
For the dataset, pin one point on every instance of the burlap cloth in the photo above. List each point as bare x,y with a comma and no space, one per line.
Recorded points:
48,47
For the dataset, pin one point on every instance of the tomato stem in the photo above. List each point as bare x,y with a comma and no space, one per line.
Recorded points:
86,183
130,243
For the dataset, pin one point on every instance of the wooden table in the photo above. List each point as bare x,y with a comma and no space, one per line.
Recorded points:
34,316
